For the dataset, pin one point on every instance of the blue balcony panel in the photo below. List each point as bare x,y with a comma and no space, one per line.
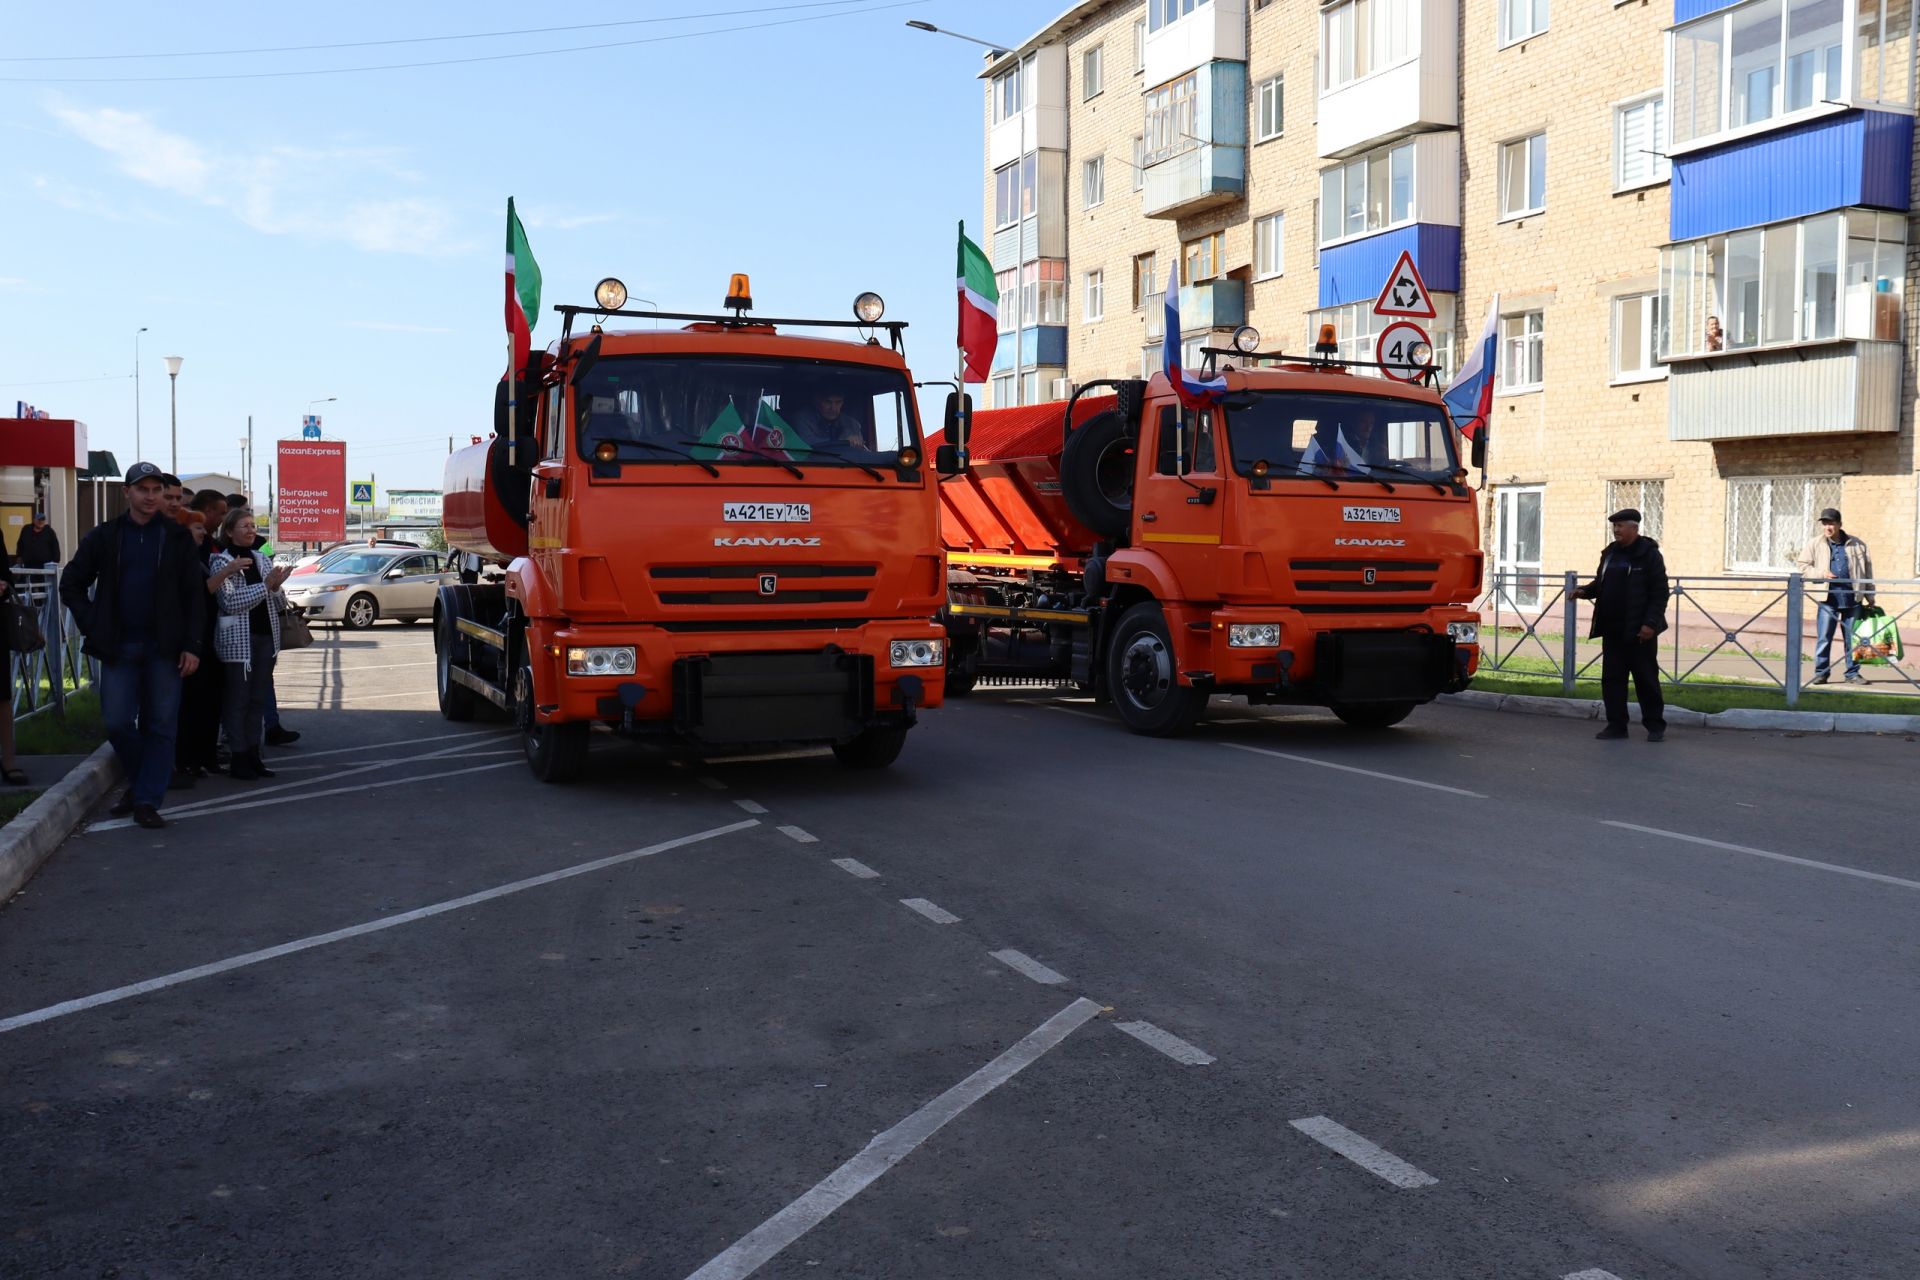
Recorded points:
1357,270
1688,10
1213,304
1041,346
1859,158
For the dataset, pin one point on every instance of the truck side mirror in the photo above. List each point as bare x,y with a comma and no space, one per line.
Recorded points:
946,460
584,362
1479,453
957,423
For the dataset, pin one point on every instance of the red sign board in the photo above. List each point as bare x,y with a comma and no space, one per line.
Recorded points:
311,505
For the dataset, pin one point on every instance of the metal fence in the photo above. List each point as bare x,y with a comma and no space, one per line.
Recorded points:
45,677
1758,629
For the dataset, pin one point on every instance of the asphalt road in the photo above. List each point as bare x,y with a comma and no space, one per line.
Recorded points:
1044,999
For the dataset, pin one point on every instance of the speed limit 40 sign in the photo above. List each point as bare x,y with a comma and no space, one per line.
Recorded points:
1404,351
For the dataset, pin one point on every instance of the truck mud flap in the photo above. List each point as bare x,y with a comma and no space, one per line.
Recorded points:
1382,666
738,698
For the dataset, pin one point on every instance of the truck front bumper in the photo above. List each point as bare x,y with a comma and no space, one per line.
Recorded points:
1308,660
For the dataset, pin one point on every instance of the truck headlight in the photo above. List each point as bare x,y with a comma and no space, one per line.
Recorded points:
1464,632
1253,635
601,660
917,653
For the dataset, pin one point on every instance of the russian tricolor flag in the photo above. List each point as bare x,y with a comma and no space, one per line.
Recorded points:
1194,393
1469,398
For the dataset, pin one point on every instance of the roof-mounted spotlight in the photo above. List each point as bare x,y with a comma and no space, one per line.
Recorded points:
869,307
610,294
1246,339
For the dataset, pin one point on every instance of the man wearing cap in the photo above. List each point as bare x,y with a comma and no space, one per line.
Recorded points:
1841,560
136,589
39,545
1630,609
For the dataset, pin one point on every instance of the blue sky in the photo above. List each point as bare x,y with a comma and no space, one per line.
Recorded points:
340,235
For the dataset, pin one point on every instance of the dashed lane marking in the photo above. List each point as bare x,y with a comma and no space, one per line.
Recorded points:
1022,963
939,915
1762,853
712,784
354,931
1348,768
854,867
764,1242
1374,1159
751,806
1594,1273
1166,1042
795,833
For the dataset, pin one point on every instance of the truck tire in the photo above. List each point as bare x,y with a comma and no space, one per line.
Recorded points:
962,676
457,702
1144,680
555,752
1374,715
877,748
1096,474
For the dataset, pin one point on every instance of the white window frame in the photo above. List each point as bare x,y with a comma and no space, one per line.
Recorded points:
1527,144
1145,284
1392,39
1139,45
1168,12
1139,162
1272,228
1271,91
1537,11
1093,296
1651,321
1659,167
1172,117
1532,330
1381,156
1769,485
1093,182
1092,73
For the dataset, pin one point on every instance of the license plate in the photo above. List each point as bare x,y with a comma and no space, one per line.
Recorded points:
769,512
1370,515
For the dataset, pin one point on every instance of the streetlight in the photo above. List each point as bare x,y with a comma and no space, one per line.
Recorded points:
136,391
918,25
173,408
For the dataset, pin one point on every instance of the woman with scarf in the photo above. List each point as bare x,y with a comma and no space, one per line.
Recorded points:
246,639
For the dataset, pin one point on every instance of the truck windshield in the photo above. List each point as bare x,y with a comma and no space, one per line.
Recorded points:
1325,436
685,410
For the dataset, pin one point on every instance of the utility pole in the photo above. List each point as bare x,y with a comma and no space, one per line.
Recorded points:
247,481
136,392
173,409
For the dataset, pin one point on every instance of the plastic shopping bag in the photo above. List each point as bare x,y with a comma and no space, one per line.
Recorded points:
1875,637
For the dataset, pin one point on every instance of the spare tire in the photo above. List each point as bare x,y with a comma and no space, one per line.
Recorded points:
1096,474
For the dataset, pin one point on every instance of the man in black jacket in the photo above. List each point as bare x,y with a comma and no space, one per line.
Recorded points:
138,592
39,545
1630,609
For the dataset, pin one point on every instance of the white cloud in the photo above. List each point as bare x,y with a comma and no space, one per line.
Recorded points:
281,190
538,221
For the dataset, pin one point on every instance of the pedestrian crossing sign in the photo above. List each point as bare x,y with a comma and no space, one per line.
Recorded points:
362,493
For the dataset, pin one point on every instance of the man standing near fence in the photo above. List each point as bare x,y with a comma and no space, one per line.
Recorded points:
136,591
1630,610
1841,560
39,545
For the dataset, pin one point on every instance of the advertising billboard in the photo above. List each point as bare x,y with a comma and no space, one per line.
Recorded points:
421,505
311,505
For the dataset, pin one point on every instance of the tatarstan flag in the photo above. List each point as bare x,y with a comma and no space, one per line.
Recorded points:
979,309
523,289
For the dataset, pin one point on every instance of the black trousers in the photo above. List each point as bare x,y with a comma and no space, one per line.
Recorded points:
200,701
1624,655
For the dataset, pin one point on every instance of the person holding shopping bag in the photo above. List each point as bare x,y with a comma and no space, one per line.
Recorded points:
246,638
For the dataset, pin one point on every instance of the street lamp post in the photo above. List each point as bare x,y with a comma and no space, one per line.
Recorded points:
173,410
136,391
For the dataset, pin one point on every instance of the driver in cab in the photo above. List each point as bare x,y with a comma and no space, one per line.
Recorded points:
1341,446
823,421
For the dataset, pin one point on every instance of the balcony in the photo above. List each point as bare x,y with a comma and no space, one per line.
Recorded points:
1413,88
1213,304
1041,123
1834,388
1039,346
1859,158
1211,32
1204,136
1357,270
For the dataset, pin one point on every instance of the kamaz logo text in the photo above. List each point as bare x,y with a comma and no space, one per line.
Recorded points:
766,542
1369,542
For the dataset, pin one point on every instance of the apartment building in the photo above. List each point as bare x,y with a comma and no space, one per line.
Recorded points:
1694,213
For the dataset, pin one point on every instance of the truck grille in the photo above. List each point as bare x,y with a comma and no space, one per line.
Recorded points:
739,584
1357,571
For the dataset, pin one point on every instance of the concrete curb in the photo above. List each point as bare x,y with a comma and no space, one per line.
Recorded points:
30,839
1737,718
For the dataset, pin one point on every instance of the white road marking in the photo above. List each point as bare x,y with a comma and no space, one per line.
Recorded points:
1594,1273
1374,1159
797,834
712,784
1762,853
354,931
1166,1042
339,700
1074,711
751,806
764,1242
403,742
801,753
1021,962
1347,768
939,915
854,867
113,824
342,670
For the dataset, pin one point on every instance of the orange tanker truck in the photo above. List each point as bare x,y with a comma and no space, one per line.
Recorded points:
721,533
1309,538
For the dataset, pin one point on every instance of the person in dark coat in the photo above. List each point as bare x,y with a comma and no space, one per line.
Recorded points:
1630,609
39,545
197,751
136,589
10,771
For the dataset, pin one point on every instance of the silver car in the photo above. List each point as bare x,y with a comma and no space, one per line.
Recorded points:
357,589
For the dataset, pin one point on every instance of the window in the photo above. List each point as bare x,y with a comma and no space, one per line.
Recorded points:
1002,390
1355,329
1145,265
1090,72
1185,436
1013,192
1364,36
1161,13
1013,89
555,425
1171,121
1200,259
1043,292
1094,304
1516,544
1522,19
1139,165
1759,62
1367,193
1523,176
1637,339
1093,182
1009,311
1648,497
1771,518
1271,109
1139,45
1269,248
1640,143
1835,275
1520,351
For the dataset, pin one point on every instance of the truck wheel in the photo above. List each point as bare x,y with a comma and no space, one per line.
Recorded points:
1096,474
555,752
1143,678
361,612
962,677
457,702
1374,715
877,748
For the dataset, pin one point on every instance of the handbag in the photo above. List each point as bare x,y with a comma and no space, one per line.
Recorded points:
1874,637
22,628
294,631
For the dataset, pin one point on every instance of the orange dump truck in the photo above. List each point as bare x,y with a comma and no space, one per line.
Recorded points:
713,531
1310,539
